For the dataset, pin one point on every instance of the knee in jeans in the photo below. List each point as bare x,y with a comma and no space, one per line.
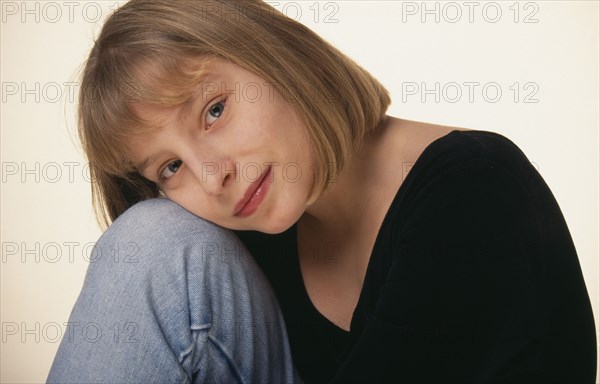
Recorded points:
180,268
155,233
161,217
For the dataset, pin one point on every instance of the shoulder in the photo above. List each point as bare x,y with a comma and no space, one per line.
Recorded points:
460,161
473,149
466,180
419,153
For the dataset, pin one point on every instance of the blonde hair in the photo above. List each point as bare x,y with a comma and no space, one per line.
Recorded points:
151,52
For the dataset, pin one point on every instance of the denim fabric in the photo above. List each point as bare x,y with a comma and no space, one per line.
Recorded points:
171,298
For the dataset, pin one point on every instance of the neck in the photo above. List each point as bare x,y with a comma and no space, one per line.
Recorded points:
344,209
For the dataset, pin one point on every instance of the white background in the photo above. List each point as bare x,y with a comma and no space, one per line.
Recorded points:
548,48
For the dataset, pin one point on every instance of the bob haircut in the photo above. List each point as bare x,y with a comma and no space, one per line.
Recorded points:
153,52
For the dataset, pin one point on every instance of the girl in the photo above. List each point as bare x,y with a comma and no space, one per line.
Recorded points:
269,232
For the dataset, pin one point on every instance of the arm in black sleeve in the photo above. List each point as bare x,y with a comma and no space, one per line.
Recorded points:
464,298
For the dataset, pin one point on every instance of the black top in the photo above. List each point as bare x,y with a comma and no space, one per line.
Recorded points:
473,278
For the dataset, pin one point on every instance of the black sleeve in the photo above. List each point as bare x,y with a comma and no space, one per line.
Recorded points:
461,302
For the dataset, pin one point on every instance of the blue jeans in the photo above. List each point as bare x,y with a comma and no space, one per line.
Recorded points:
172,298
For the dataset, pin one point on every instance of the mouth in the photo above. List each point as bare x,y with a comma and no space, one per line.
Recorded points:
254,195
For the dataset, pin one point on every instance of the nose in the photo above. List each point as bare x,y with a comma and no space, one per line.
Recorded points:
213,176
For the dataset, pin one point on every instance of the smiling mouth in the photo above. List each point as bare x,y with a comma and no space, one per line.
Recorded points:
253,196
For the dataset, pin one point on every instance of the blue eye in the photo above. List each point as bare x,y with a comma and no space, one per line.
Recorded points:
214,112
170,169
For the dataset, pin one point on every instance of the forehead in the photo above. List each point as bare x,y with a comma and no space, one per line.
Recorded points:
218,76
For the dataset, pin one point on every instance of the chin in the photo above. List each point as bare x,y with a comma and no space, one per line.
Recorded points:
275,228
276,223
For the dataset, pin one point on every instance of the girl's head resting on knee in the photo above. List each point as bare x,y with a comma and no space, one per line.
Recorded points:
196,100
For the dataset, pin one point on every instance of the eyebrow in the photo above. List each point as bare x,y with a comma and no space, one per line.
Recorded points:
147,162
199,91
187,105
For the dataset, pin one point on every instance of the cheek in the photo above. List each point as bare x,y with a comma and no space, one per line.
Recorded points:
191,199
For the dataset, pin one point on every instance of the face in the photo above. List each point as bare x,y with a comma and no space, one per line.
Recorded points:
236,155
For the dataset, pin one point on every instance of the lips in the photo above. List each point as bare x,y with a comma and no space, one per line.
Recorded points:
250,191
